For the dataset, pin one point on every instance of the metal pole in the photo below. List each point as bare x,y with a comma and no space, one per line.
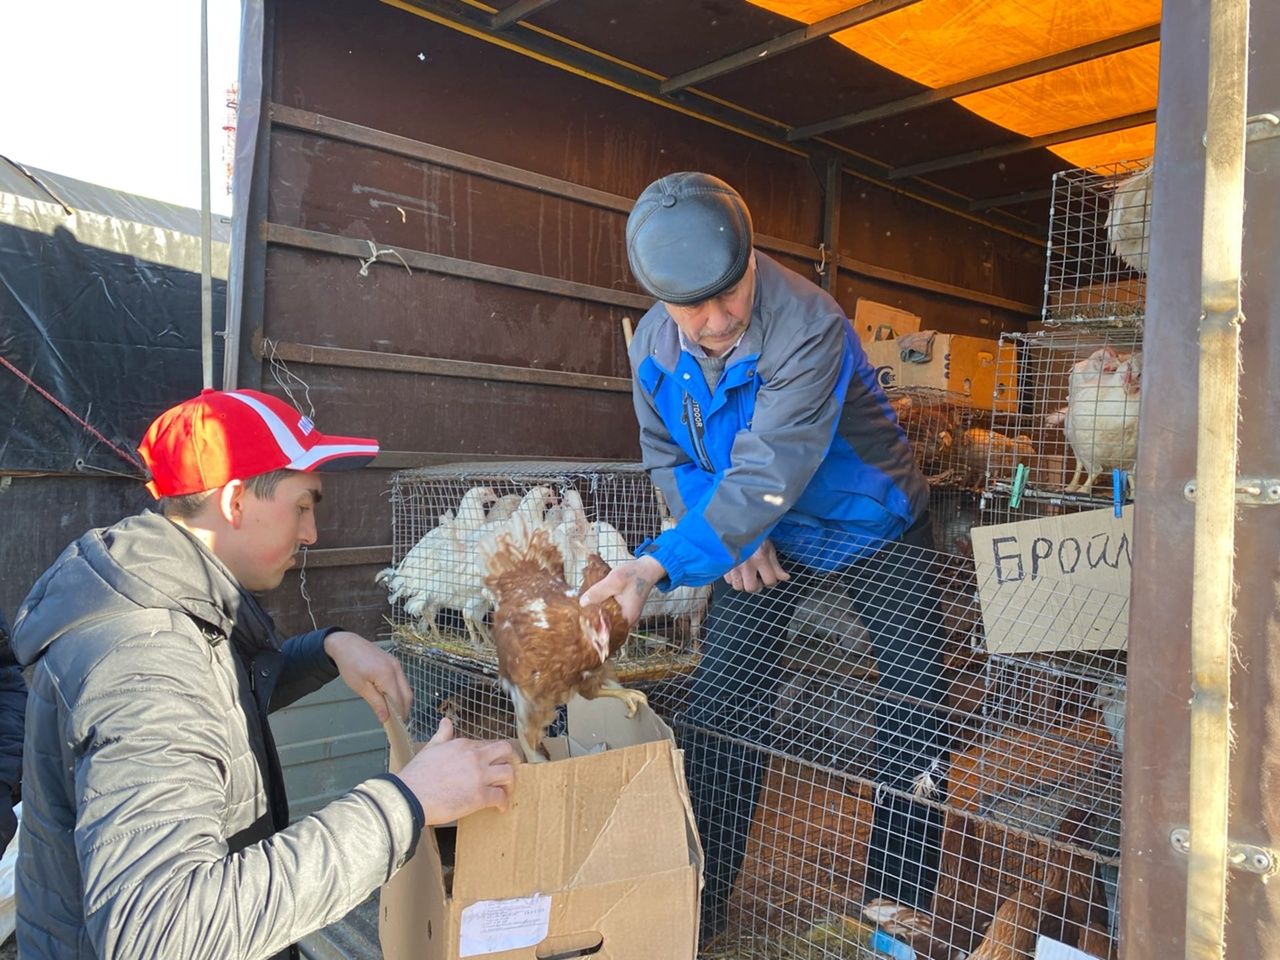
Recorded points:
1215,487
206,224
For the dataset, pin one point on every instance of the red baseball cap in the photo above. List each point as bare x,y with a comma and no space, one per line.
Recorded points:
225,435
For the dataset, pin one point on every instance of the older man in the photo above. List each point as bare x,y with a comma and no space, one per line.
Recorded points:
762,423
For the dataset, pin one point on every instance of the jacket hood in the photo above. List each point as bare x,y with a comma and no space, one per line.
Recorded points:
144,561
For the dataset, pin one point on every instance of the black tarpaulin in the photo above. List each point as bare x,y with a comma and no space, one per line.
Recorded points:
99,320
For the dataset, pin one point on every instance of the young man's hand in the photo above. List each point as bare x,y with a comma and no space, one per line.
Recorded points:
371,672
452,777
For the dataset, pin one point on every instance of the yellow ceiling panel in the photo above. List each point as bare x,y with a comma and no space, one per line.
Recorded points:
1089,92
808,11
939,42
1135,144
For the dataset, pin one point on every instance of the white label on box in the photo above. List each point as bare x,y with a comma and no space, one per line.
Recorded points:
1047,949
491,926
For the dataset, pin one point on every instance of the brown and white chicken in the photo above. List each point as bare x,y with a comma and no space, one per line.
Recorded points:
549,645
933,430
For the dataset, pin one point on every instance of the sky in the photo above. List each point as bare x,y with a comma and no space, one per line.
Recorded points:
109,92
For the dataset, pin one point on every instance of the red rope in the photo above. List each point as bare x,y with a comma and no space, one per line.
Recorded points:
122,454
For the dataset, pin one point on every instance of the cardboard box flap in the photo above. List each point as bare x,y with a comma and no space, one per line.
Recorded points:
405,912
611,816
878,321
603,722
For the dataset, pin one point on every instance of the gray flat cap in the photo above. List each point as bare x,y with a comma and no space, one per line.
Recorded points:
688,237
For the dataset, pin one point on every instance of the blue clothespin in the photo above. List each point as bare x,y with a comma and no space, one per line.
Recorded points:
1117,491
1019,481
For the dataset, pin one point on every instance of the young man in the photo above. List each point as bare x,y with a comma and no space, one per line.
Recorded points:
762,423
155,821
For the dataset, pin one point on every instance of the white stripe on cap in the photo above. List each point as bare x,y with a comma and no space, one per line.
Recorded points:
327,450
300,458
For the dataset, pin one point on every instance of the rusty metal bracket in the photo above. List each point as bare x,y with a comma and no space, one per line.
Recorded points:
1250,491
1240,856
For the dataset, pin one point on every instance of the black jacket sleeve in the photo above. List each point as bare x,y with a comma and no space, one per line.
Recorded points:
13,709
306,669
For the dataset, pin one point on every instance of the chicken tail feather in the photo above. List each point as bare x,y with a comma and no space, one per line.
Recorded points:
520,544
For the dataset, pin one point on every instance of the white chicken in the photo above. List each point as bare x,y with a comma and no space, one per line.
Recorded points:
416,579
572,535
683,602
1100,420
1129,219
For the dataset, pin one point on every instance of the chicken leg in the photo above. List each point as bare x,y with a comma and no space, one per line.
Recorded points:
530,724
530,740
1089,477
634,699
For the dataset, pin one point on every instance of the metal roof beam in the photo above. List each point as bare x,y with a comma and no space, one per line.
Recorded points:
550,49
518,11
788,41
1022,146
1010,199
1021,71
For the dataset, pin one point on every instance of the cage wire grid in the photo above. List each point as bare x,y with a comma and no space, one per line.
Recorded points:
1099,236
1077,417
949,435
439,515
869,716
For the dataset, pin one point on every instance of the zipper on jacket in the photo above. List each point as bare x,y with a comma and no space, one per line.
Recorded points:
693,417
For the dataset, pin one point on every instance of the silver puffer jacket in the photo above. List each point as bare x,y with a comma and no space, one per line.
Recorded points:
154,821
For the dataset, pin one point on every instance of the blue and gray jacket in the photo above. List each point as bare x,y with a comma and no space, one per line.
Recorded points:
796,442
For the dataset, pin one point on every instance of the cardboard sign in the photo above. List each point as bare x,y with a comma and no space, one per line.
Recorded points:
1056,584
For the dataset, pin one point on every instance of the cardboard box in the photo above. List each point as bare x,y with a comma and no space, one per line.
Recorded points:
1057,583
597,854
968,366
878,321
884,357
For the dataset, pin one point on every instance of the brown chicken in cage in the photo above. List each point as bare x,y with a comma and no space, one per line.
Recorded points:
1058,906
932,427
988,453
549,645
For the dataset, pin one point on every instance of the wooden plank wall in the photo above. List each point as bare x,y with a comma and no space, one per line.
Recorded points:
365,99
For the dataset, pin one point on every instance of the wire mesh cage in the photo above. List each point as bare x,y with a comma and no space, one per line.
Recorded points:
908,778
945,430
872,764
1077,422
435,584
1099,234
